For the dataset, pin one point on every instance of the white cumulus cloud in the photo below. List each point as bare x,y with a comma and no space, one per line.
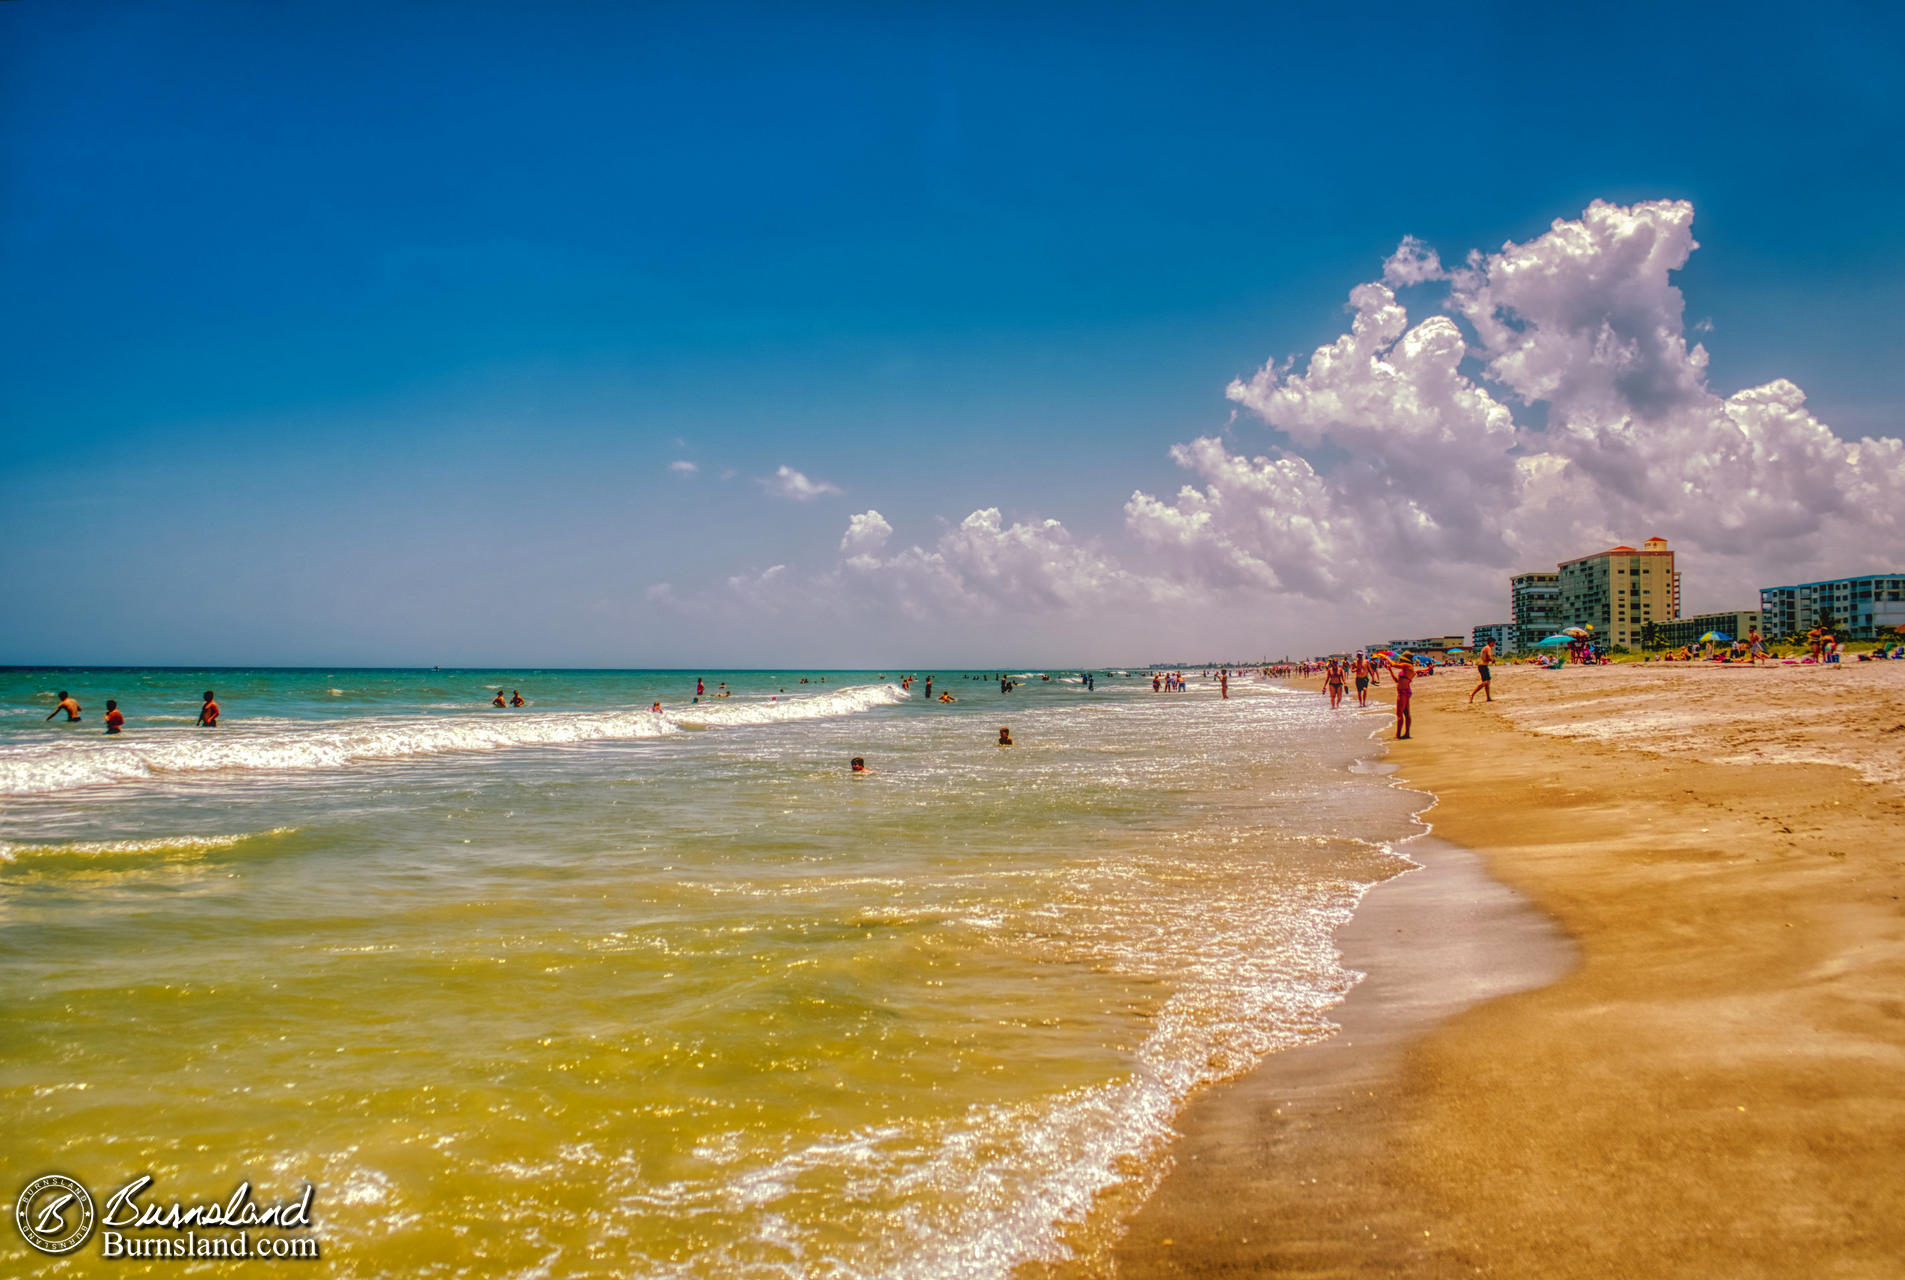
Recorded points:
683,467
1400,457
789,483
984,563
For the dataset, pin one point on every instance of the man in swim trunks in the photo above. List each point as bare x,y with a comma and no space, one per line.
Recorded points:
208,714
1361,669
1404,673
1482,662
1756,646
114,721
69,704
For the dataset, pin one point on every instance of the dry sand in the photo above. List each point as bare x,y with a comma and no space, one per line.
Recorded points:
1716,1088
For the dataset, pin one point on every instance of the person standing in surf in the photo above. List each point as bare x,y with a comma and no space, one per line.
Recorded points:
69,704
1333,683
1483,660
208,713
1404,673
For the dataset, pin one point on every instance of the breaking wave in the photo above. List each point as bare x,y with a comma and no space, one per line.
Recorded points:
132,848
296,746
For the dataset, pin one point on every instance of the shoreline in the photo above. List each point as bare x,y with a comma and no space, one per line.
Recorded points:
1713,1089
1431,941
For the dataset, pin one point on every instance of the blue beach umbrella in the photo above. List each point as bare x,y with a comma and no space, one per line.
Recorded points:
1716,637
1554,642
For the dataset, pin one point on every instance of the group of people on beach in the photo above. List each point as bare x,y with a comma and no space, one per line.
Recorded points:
1366,671
116,719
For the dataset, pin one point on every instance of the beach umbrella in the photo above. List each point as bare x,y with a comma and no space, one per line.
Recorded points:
1574,632
1716,637
1554,642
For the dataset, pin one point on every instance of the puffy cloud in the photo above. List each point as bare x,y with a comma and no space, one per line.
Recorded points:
683,467
984,564
789,483
1584,317
1402,460
866,534
1412,263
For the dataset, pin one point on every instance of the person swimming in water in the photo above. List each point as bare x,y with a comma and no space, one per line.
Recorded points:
69,704
947,697
114,721
1005,736
859,764
208,713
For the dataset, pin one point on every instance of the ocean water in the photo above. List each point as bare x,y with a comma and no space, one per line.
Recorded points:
582,989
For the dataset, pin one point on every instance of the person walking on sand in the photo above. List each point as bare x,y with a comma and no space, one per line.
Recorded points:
1482,662
1404,674
208,713
69,704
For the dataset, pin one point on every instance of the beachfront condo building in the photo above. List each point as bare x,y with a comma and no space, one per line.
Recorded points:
1855,607
1736,624
1499,634
1620,590
1535,601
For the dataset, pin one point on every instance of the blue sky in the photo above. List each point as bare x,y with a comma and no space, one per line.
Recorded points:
338,334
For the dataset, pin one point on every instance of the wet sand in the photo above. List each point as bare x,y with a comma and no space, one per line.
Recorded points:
1714,1087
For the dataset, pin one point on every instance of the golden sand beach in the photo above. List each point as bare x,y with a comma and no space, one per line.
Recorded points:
1711,1082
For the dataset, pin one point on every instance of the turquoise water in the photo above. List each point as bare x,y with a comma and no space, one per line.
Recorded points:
581,989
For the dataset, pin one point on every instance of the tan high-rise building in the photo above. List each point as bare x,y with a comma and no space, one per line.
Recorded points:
1620,590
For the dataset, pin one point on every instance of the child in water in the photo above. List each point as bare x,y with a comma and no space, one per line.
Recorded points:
859,764
1005,736
114,721
208,714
